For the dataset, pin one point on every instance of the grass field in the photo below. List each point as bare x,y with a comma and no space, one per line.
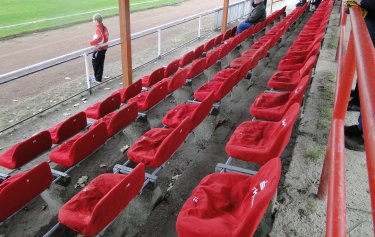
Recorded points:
29,15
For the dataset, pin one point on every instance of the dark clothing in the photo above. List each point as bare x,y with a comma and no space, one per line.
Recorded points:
98,64
258,14
369,5
300,3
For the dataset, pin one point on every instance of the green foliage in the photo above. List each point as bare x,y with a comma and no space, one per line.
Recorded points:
314,155
22,11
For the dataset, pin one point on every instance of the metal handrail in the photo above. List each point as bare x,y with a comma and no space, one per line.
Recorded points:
359,57
16,74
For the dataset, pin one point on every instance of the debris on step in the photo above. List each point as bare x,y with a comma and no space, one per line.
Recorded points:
67,78
15,100
103,165
75,105
170,186
81,182
125,148
66,114
107,88
176,177
44,206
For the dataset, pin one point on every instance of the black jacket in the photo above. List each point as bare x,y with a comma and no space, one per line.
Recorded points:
258,14
369,5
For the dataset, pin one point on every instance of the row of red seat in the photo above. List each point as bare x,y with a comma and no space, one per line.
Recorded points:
152,149
77,148
230,204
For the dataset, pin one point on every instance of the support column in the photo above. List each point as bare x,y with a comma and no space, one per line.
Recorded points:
125,35
225,16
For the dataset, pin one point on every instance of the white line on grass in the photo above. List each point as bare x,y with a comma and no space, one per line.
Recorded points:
67,16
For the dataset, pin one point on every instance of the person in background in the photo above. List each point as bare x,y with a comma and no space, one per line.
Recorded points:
354,133
258,14
98,57
300,3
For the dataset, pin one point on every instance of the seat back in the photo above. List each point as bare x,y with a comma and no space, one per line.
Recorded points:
122,118
202,110
307,67
158,92
262,188
171,68
197,68
209,45
111,205
155,77
282,132
198,51
224,50
227,34
226,87
131,91
296,95
68,128
187,58
86,144
109,105
172,142
178,80
217,40
18,190
234,31
212,58
26,151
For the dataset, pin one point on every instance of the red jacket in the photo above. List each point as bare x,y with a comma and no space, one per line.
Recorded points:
101,36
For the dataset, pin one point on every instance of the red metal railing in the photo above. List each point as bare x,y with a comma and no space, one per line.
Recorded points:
359,57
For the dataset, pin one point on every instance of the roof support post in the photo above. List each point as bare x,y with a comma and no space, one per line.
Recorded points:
225,16
125,36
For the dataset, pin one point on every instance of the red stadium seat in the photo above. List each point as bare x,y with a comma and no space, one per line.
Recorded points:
116,121
157,145
80,146
221,86
129,92
104,107
249,59
224,50
259,141
209,45
217,40
234,31
229,204
171,68
146,100
196,112
100,202
18,190
212,58
198,51
68,128
197,67
177,80
272,106
26,151
295,63
153,78
288,80
227,34
187,59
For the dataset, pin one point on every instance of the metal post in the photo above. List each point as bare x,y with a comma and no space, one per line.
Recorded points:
225,16
199,26
87,68
126,51
159,43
